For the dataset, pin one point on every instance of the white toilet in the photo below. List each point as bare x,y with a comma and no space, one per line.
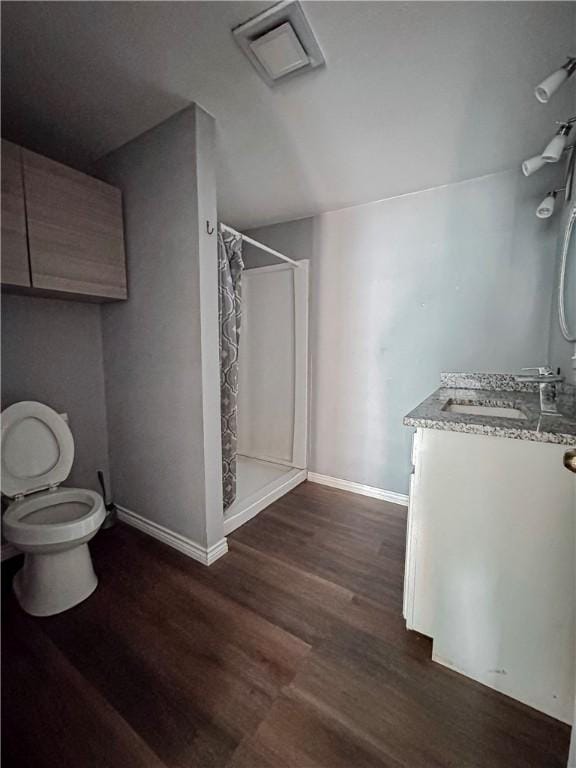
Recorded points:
51,525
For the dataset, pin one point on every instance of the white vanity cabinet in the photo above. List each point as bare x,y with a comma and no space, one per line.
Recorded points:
490,563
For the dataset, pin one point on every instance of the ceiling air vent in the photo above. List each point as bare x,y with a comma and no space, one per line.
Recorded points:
280,42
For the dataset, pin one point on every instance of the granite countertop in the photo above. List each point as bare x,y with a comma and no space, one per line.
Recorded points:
497,390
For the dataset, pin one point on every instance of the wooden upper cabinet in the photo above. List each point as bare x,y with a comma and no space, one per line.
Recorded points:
15,265
75,231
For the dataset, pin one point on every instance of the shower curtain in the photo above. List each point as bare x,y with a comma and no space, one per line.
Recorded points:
230,266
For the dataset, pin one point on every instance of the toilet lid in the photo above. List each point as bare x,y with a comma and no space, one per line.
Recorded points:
37,448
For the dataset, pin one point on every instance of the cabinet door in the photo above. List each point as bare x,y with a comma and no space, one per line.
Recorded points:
494,578
15,264
75,230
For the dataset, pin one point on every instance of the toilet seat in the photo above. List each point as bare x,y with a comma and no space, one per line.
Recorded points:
37,448
53,517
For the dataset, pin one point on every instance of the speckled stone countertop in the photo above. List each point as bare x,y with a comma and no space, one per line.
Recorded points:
500,390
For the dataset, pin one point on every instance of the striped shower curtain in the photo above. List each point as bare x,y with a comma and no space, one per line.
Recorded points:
230,268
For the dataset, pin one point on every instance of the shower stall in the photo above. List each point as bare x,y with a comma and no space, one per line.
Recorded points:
272,385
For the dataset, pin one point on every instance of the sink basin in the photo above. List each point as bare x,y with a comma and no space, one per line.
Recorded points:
504,412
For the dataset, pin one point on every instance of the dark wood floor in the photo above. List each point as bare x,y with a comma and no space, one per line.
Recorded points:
288,652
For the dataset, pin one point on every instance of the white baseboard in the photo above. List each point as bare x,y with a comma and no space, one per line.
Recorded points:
262,499
204,555
8,550
363,490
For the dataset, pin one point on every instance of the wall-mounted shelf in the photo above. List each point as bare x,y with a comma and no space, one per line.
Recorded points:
62,231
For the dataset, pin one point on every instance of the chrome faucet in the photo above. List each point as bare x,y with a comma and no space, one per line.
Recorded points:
547,380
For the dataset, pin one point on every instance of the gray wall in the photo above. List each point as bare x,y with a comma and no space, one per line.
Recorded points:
153,342
454,278
209,326
52,352
292,238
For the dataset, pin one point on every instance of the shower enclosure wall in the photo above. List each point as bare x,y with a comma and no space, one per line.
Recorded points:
273,388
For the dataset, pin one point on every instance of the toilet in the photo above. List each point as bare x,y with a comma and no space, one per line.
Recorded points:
50,524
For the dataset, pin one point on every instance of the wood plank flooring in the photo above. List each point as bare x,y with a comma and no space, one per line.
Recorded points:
289,652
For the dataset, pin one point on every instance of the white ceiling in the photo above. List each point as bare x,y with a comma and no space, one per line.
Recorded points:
414,94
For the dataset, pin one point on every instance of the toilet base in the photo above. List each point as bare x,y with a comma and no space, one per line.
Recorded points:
54,582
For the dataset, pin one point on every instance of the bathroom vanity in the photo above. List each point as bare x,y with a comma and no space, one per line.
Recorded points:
490,545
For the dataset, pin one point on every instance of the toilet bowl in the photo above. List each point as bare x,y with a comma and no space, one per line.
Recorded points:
50,524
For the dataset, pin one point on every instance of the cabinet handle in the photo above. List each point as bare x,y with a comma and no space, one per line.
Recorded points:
570,460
